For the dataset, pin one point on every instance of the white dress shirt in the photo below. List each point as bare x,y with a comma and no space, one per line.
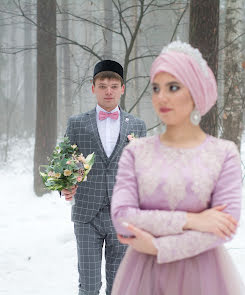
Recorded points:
109,130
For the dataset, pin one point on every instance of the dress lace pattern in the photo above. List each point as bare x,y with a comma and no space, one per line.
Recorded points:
178,170
192,243
157,222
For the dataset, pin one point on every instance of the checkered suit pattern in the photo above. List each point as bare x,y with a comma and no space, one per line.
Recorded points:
82,131
90,238
91,211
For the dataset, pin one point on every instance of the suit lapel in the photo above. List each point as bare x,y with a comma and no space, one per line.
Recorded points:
93,130
124,123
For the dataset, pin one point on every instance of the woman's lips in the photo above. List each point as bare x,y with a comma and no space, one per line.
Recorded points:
165,110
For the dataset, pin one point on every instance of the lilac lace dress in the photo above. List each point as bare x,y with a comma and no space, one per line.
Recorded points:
156,185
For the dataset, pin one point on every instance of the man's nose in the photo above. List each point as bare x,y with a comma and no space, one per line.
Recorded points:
108,90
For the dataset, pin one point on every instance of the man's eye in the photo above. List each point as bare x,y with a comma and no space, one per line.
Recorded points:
174,88
155,89
114,87
102,87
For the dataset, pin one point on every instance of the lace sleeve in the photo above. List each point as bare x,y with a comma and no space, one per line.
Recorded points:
125,204
228,190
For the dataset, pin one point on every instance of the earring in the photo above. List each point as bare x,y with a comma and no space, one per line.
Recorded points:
164,128
195,117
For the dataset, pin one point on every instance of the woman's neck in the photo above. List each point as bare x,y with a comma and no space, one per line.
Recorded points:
183,136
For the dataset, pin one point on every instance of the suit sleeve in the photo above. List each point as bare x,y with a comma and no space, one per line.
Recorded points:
125,203
228,190
143,130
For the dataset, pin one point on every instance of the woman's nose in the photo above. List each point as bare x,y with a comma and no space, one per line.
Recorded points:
162,96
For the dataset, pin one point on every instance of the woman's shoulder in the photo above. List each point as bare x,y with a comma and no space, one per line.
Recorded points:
141,142
223,145
141,145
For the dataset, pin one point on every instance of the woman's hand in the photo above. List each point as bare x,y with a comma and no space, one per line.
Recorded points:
69,193
213,221
141,242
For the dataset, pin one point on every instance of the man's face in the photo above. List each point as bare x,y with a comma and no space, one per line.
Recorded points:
108,93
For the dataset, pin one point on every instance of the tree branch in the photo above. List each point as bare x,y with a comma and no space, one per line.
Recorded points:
84,47
176,27
140,97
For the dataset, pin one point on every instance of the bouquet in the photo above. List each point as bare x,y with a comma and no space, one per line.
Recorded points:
66,167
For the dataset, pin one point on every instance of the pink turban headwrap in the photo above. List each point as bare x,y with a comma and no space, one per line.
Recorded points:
191,70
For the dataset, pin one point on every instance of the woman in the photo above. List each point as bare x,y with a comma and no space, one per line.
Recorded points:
178,195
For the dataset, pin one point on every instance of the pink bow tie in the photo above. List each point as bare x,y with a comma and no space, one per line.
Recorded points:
104,115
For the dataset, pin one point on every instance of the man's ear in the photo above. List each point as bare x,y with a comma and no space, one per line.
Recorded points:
92,88
123,88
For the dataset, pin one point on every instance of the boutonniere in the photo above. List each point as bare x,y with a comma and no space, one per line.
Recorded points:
131,137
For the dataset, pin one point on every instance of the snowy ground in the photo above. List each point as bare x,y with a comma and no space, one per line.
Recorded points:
37,246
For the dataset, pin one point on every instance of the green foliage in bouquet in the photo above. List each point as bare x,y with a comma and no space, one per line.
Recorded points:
66,167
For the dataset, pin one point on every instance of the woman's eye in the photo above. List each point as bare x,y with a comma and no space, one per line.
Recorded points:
155,89
174,88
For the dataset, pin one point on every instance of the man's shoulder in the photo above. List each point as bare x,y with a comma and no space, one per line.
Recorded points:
133,118
81,117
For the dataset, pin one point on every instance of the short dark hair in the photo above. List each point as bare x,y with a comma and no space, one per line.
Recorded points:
108,75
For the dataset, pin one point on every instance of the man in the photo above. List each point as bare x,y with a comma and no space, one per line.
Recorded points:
103,130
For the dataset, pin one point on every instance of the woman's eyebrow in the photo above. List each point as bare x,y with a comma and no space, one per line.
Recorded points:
172,82
167,84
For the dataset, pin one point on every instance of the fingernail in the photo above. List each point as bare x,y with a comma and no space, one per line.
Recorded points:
125,224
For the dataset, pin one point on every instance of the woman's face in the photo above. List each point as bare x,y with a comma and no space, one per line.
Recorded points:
171,100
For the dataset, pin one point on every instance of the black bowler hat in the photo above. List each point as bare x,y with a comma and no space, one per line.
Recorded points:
108,65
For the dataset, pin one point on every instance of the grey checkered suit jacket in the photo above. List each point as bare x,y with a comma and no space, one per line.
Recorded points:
97,190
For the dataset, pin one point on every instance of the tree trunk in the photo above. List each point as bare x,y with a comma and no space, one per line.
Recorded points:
13,66
204,34
66,83
135,67
233,97
46,116
29,103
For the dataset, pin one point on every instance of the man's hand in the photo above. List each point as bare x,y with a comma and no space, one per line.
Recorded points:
141,242
69,194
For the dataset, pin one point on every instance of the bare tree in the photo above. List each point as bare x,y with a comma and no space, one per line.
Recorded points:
66,69
233,96
13,65
108,19
46,116
203,34
126,26
29,97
